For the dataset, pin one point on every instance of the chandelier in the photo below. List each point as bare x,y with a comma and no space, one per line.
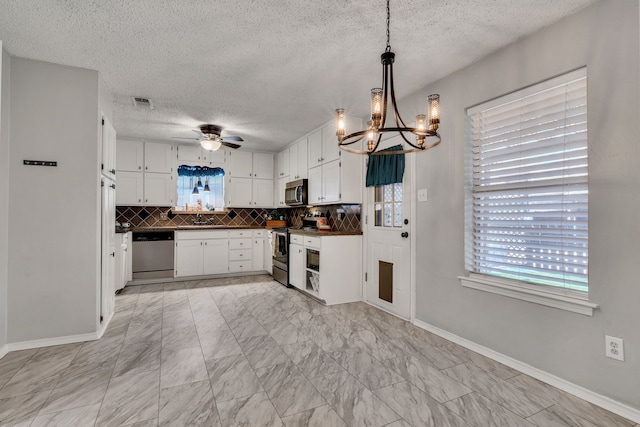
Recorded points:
425,130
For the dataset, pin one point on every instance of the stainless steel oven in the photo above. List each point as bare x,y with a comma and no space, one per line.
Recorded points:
281,255
295,193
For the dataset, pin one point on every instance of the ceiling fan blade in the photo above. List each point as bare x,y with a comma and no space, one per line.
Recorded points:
198,132
232,138
186,139
230,144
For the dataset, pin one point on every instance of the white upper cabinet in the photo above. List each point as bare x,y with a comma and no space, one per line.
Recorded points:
298,160
263,165
241,164
283,163
158,157
263,193
130,189
159,189
214,158
330,148
190,153
129,155
314,141
108,166
238,192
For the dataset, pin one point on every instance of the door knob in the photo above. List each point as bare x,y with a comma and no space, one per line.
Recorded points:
405,235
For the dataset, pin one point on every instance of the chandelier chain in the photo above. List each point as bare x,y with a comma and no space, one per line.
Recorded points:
388,49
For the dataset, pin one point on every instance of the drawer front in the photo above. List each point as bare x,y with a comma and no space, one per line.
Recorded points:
240,266
240,233
258,233
312,242
201,234
296,238
240,243
240,254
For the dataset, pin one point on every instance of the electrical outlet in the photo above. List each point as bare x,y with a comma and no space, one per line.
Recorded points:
422,195
614,347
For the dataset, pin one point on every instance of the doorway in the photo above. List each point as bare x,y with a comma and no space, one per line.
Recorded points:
388,247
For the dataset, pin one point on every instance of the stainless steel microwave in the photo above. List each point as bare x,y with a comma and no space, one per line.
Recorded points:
295,193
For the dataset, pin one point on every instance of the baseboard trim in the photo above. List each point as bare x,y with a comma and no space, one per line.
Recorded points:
3,351
48,342
605,402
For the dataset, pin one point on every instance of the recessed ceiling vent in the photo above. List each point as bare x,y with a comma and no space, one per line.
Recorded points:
141,102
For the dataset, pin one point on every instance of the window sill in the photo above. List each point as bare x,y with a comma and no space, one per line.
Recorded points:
496,286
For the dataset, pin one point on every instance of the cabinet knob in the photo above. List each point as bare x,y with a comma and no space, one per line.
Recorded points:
139,167
146,168
139,200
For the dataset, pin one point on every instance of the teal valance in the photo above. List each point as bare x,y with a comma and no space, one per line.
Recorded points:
385,169
199,171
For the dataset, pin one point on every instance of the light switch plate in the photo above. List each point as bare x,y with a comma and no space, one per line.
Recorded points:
422,195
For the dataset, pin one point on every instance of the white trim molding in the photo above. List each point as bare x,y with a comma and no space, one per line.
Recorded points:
3,351
48,342
605,402
550,299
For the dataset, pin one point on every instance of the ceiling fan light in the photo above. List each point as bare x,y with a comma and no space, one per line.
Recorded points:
210,145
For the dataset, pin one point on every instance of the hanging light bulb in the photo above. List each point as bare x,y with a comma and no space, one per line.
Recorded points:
376,106
340,123
195,187
199,183
206,186
433,108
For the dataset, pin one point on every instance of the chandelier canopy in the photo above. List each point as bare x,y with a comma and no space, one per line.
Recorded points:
426,127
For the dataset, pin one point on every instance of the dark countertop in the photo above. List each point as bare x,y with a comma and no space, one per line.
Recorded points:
122,230
194,227
324,233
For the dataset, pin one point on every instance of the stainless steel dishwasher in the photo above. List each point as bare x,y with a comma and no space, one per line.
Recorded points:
152,254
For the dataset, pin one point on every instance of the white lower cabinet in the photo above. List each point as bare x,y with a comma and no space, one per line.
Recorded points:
297,264
210,252
123,260
201,253
337,277
216,256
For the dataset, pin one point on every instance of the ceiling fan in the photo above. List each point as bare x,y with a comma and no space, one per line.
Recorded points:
211,140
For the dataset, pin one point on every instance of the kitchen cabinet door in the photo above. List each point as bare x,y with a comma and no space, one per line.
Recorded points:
239,192
298,160
331,182
189,258
263,193
214,158
283,163
315,185
216,256
279,192
263,165
108,148
297,266
241,164
293,162
330,147
129,190
258,254
159,189
190,153
314,141
158,157
129,155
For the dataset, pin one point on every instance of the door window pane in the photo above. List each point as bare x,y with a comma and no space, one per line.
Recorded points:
388,205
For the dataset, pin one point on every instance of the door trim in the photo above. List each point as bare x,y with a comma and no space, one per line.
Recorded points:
412,233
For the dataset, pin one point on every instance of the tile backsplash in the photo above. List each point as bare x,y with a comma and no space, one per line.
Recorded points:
140,216
344,218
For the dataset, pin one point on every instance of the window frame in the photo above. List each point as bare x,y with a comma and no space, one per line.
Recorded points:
558,297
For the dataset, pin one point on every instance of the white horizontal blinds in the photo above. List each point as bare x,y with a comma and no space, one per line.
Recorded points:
530,194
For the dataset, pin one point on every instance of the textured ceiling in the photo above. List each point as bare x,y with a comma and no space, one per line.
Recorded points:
269,71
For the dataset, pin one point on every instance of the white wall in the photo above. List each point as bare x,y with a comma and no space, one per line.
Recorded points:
604,37
4,191
53,212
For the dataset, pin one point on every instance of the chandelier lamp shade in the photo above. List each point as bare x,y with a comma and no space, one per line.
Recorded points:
419,138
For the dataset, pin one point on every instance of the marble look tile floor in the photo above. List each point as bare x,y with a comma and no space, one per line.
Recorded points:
246,351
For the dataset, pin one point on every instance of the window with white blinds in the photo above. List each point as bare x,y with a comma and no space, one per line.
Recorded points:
529,217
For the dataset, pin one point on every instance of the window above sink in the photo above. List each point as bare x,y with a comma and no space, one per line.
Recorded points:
200,189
